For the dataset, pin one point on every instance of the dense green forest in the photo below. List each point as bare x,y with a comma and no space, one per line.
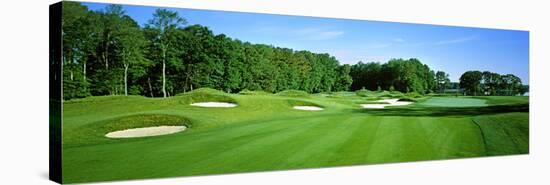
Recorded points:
108,53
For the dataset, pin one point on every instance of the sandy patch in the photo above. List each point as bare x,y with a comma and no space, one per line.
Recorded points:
309,108
214,104
390,102
145,132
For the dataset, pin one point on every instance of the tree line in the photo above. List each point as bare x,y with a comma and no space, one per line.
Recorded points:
397,74
490,83
106,52
413,76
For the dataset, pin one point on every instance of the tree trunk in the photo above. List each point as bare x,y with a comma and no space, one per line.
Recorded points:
186,81
126,65
84,70
126,79
150,87
164,72
106,53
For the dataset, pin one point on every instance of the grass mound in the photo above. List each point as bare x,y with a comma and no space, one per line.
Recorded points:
205,95
94,133
293,93
206,90
413,95
364,93
390,94
302,103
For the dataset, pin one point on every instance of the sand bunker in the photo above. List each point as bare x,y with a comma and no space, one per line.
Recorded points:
214,104
387,102
310,108
145,132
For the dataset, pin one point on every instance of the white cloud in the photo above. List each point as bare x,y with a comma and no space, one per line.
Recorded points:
317,33
456,40
325,35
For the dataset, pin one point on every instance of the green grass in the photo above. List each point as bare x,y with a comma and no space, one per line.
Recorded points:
454,102
266,130
293,93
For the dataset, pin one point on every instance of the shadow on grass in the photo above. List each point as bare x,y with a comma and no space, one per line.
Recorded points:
446,111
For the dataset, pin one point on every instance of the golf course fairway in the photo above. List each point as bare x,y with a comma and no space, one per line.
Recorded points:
264,132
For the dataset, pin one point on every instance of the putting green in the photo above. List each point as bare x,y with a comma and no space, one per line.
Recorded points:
453,102
265,133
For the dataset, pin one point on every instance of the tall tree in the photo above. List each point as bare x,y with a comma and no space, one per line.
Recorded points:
78,31
471,82
165,23
491,81
510,84
132,43
344,80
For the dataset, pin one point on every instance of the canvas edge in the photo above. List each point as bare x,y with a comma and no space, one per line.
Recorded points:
55,92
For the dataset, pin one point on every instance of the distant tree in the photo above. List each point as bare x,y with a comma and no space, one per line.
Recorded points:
344,80
524,89
510,84
471,82
490,82
442,80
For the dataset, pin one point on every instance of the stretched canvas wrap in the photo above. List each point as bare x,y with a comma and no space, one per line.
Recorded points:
150,92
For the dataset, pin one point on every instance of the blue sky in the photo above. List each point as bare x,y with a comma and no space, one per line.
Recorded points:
451,49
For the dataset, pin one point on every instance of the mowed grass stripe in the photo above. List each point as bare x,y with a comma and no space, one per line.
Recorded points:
399,139
319,150
269,149
357,146
453,137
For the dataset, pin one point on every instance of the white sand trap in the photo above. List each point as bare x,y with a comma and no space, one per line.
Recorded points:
390,102
310,108
145,132
214,104
373,106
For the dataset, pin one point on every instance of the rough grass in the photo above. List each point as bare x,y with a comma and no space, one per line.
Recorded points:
249,92
364,93
265,129
204,95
